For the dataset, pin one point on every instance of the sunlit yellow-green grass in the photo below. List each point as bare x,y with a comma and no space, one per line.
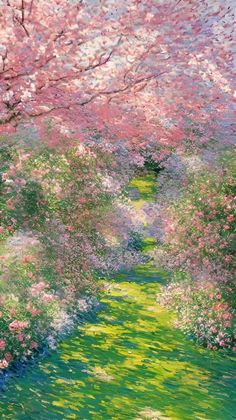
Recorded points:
146,187
129,363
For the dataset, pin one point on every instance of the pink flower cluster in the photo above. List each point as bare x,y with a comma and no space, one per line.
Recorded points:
80,217
37,288
18,325
199,225
203,313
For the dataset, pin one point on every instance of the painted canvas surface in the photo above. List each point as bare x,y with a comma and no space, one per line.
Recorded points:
117,209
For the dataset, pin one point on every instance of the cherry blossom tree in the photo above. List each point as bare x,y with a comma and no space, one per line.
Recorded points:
137,73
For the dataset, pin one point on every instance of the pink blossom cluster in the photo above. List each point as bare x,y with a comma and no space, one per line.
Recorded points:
37,288
18,325
78,224
198,228
203,313
195,222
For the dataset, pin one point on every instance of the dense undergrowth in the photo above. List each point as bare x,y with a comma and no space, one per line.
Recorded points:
198,247
64,223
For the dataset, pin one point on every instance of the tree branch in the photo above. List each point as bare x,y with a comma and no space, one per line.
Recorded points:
102,93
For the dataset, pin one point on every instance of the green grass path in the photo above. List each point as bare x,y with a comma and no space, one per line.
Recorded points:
131,363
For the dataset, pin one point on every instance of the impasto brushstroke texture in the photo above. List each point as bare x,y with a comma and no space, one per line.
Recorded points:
117,209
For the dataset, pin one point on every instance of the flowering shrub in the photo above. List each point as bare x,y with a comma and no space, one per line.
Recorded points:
25,314
203,313
8,222
33,312
198,238
199,227
64,222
